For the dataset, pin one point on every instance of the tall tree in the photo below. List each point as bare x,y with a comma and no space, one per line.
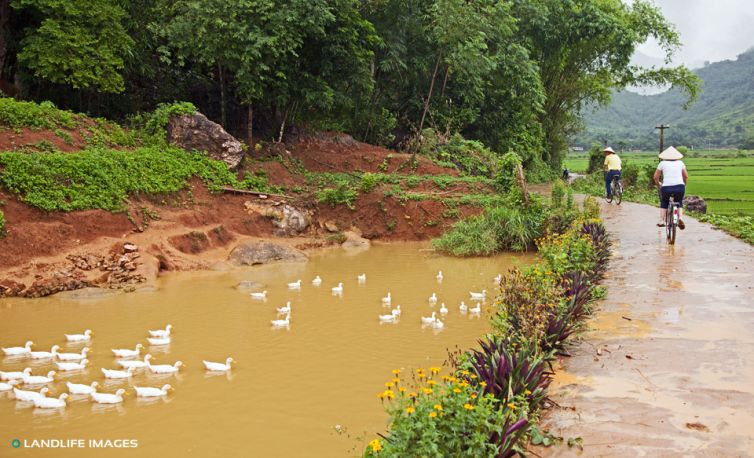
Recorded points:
79,43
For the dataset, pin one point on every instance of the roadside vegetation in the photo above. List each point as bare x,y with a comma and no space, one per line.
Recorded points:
489,399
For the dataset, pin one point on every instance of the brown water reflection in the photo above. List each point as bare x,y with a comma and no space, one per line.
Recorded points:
289,388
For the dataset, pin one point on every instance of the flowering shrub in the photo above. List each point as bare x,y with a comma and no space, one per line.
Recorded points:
448,417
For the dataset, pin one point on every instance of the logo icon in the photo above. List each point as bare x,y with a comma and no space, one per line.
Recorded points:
15,443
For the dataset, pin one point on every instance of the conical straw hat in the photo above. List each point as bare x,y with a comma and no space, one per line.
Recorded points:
608,150
671,154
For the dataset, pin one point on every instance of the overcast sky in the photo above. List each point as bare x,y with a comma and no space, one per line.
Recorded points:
711,30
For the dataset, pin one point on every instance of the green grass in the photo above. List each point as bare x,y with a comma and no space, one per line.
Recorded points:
723,179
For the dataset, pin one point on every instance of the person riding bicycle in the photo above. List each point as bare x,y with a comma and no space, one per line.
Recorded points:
612,167
674,179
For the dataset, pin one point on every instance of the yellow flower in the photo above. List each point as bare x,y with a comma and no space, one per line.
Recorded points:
396,380
483,384
422,375
527,392
427,390
472,376
402,389
512,406
412,395
396,371
376,445
445,378
464,372
468,406
473,395
456,390
437,407
434,370
388,385
433,414
431,382
389,394
410,410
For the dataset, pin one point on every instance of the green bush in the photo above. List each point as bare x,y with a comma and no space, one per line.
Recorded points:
2,223
341,194
103,178
468,156
596,159
14,113
154,123
505,178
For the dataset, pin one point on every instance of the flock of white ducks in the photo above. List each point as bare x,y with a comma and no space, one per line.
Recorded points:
77,361
393,317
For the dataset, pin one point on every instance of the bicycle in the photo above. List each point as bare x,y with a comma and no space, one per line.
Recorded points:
616,190
672,216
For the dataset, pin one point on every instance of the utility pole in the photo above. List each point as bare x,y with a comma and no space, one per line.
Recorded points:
662,128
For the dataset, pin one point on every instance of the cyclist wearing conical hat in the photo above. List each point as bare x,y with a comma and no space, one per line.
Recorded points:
674,179
612,167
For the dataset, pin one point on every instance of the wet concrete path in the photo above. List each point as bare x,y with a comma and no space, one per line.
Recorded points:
667,367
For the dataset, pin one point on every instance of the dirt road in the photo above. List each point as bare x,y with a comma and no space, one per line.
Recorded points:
667,368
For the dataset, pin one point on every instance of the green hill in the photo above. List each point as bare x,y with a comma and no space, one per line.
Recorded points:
723,116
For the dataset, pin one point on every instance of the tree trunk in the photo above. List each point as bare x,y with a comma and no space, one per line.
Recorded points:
223,115
250,128
4,17
429,95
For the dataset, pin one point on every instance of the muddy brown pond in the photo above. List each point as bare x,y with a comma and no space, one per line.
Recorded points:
306,390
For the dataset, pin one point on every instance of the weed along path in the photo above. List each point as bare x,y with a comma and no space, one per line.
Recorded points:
667,366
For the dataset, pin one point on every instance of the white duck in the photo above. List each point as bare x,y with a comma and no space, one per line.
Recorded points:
437,324
73,356
158,340
118,374
18,351
362,278
476,310
45,354
282,323
443,309
39,379
149,392
165,368
387,299
463,307
439,276
15,375
295,285
107,398
478,296
7,386
219,367
161,332
429,319
51,403
87,335
72,366
135,363
285,309
317,281
78,388
338,289
499,278
27,396
388,318
259,296
433,298
397,310
126,353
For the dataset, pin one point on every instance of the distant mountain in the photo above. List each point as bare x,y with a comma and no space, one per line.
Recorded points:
723,116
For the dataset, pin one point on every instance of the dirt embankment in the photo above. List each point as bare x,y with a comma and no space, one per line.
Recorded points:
43,253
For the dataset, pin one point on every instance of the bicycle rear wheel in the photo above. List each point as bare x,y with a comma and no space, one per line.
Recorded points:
669,223
617,191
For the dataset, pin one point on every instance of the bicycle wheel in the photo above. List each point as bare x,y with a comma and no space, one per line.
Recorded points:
617,191
670,223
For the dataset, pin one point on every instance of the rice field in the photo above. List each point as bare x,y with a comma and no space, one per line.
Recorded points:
721,177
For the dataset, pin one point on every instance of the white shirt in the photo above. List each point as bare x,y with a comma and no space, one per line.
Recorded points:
672,172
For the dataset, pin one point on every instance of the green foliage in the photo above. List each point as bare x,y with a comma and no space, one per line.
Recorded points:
102,178
80,44
14,113
2,223
468,156
505,178
738,226
154,123
341,194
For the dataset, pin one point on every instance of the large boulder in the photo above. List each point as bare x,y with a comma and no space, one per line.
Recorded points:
249,254
695,204
288,219
196,132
